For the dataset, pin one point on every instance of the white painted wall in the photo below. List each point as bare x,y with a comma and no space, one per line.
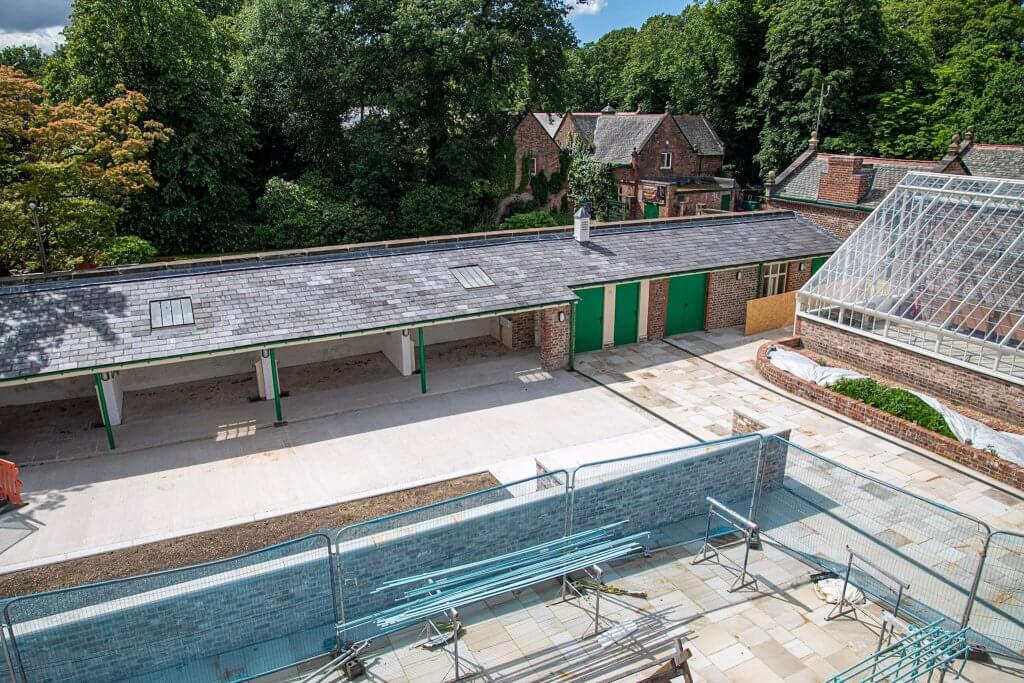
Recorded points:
645,300
399,349
466,329
608,338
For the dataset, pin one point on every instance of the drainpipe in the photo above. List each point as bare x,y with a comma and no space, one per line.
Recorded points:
423,363
572,336
103,410
760,279
279,418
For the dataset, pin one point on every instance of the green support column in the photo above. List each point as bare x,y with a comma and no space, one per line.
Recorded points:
277,388
103,410
572,336
423,363
760,278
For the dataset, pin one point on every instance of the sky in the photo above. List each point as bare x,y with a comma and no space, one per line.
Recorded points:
39,22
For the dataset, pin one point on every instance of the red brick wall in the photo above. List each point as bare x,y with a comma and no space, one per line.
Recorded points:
554,338
997,468
727,297
667,138
840,222
711,200
657,308
796,278
845,181
955,384
522,330
532,140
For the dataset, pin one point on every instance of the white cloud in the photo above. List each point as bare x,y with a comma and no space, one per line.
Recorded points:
576,8
46,38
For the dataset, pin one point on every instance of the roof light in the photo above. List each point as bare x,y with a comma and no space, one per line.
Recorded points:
472,277
170,313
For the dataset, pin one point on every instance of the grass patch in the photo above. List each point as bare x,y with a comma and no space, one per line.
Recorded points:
898,402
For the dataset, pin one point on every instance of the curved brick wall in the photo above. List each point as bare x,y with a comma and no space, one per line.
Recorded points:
997,468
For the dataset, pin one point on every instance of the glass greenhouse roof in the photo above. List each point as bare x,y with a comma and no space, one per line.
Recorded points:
937,267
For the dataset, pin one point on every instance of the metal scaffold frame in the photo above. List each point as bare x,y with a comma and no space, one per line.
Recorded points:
738,523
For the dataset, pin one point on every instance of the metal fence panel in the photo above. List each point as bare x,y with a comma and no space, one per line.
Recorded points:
224,620
997,616
664,492
824,507
498,520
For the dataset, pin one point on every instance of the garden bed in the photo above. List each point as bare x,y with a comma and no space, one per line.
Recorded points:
978,460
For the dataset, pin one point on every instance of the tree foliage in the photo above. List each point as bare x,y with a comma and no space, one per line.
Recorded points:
589,181
28,59
79,162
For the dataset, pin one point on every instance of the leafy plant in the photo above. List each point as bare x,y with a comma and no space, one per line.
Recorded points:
434,210
898,402
533,219
126,249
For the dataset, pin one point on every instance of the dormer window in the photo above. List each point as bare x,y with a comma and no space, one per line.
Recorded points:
666,160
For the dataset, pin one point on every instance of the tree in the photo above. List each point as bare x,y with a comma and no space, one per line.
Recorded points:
589,181
28,59
594,71
648,76
80,162
173,53
999,113
813,43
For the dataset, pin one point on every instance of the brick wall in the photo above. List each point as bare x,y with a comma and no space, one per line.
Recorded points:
667,138
554,338
796,278
838,221
532,140
846,180
687,205
521,330
727,297
657,308
997,468
955,384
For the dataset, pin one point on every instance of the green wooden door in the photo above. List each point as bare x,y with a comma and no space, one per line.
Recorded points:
627,311
726,202
650,210
685,310
589,319
817,263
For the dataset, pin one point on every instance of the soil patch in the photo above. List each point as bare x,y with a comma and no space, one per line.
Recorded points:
230,541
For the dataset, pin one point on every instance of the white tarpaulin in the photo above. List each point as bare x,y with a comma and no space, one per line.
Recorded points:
1008,446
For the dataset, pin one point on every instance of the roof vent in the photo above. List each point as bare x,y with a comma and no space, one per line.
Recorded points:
170,313
608,109
472,277
581,224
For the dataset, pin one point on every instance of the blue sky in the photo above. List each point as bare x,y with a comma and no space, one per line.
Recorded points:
40,21
598,17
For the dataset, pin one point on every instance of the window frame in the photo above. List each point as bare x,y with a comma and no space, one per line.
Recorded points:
774,277
666,156
531,167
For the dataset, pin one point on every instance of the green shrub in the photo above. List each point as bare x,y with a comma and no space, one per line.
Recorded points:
898,402
434,210
125,250
863,389
533,219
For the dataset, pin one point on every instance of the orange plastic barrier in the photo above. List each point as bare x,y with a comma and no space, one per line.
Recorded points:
10,485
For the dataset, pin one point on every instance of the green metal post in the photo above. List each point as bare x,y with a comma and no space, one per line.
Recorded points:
103,410
277,387
423,363
572,336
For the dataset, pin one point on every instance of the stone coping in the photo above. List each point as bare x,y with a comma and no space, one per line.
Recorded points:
1001,470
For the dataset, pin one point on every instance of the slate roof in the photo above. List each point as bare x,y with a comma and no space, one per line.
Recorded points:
700,134
802,182
615,136
585,125
55,326
994,161
550,122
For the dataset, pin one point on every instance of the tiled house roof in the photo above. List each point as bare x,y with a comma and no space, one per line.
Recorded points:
103,320
617,135
994,161
802,179
700,134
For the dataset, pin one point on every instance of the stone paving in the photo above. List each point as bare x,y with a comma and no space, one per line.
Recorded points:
774,632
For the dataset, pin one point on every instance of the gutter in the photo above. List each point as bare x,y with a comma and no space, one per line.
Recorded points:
819,202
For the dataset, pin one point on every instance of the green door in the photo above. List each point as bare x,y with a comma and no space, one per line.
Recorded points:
589,319
817,263
685,310
627,310
726,202
650,210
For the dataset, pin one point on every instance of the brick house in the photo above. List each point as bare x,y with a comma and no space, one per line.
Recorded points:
838,191
536,152
663,164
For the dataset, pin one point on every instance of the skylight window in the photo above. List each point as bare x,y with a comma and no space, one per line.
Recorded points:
170,313
472,277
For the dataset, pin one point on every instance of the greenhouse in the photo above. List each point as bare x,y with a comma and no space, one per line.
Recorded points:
936,268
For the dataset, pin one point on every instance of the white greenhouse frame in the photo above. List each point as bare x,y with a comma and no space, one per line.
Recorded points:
938,268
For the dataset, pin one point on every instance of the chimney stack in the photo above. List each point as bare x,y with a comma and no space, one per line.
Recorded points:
581,224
